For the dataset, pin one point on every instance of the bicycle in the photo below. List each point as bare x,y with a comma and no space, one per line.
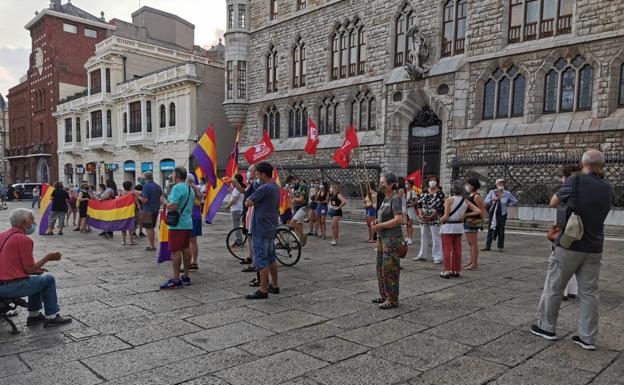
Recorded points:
287,245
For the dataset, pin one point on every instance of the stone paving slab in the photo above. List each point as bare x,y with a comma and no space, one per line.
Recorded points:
120,363
322,327
363,369
332,349
463,370
71,373
271,370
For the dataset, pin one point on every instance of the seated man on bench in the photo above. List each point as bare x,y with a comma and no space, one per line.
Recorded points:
21,276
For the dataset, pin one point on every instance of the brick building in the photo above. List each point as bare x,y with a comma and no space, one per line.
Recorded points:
457,87
151,92
63,38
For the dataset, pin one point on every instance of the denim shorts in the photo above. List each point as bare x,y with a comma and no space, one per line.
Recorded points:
263,252
197,227
322,210
371,212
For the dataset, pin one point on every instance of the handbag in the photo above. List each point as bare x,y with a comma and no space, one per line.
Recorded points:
173,216
574,229
403,249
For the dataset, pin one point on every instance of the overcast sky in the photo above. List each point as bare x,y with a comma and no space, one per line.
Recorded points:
207,15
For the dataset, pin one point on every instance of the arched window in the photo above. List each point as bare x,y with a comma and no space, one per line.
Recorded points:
568,86
163,116
327,114
402,44
271,70
503,94
454,27
348,50
271,122
364,111
299,64
172,114
298,120
538,19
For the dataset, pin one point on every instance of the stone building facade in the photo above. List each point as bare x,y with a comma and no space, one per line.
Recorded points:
63,37
150,94
500,78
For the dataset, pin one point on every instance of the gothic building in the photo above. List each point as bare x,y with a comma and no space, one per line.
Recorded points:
433,84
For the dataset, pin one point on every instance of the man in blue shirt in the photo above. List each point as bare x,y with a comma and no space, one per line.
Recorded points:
497,202
150,206
265,201
180,200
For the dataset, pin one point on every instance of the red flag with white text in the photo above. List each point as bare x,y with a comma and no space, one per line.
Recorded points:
260,151
341,157
313,138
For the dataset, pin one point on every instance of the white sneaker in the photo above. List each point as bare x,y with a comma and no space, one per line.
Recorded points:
409,241
333,243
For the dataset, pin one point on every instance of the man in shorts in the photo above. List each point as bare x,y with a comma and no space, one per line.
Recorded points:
265,201
301,194
150,206
180,200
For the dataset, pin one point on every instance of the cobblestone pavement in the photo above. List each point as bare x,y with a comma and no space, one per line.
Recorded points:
322,328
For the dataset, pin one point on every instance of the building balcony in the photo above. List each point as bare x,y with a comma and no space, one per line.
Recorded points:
100,143
139,139
38,149
70,147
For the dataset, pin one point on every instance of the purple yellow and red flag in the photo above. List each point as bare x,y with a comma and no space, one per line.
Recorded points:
214,198
163,234
232,167
46,207
206,154
113,214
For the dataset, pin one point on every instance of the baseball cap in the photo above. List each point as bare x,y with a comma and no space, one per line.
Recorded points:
500,180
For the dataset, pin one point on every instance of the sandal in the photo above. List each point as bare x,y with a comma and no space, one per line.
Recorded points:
445,275
388,305
193,266
455,274
254,283
149,248
379,300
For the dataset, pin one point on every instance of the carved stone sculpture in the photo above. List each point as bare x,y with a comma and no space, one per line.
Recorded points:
418,64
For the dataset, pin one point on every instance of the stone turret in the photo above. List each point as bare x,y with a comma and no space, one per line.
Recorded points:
236,59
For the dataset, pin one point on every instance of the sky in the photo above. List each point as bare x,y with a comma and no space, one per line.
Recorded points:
207,15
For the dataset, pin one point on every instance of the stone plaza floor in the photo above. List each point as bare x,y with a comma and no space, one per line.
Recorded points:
321,329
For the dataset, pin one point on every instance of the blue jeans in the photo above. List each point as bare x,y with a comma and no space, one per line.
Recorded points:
263,252
40,289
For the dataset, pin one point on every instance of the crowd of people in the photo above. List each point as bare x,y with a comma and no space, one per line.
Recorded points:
392,210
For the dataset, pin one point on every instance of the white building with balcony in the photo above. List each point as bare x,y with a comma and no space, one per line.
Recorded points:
145,104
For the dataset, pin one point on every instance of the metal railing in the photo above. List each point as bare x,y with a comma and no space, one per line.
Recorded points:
534,178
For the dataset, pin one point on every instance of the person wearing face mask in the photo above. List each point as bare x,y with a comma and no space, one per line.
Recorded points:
390,235
497,201
322,197
473,224
21,276
431,203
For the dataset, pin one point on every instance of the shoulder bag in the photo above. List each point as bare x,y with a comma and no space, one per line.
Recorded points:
173,217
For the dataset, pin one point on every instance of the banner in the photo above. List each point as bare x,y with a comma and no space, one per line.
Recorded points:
113,214
313,138
260,151
341,157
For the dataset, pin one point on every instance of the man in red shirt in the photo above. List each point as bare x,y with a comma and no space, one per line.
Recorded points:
21,276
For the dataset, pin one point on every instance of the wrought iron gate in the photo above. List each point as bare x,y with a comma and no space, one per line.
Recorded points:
425,143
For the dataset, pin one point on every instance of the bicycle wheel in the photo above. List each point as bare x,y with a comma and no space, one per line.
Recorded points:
287,247
240,251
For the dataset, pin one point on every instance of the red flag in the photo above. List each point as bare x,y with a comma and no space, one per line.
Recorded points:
416,176
313,137
341,157
260,151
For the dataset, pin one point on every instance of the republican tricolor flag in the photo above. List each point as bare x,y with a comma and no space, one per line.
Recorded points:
232,167
163,234
112,214
206,154
46,207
